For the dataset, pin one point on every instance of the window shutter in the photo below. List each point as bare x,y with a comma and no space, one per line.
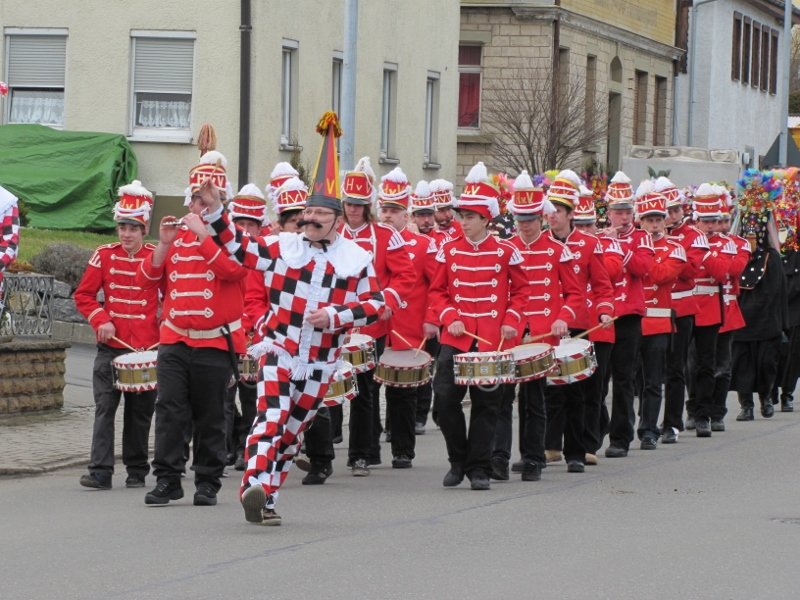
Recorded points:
163,65
36,61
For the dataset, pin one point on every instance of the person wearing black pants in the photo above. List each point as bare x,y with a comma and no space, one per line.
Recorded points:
722,380
425,392
595,412
318,440
364,418
503,433
675,384
400,411
624,358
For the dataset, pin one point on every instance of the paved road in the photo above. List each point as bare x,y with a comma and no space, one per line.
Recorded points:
714,518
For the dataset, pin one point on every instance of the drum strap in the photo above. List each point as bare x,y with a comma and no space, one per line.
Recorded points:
226,332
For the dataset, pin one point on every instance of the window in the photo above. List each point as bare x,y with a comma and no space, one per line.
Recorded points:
469,86
746,38
163,74
640,108
591,88
764,59
736,51
563,72
36,68
660,113
773,62
336,84
388,112
431,119
755,65
289,93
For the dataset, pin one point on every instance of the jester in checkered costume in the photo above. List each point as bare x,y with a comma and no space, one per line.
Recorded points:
319,285
9,235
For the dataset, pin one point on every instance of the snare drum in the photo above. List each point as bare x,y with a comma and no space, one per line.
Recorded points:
403,368
532,361
248,369
135,371
575,361
484,368
359,351
343,385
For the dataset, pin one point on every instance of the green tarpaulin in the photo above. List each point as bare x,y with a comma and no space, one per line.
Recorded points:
67,179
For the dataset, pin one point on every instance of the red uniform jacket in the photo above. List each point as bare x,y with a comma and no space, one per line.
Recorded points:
638,250
132,309
670,258
695,244
480,284
730,289
712,274
453,230
555,291
612,259
408,319
204,290
393,267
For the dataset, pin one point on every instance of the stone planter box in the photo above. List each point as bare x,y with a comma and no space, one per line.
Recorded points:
32,375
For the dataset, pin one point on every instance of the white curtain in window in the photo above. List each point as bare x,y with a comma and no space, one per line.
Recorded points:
157,113
37,109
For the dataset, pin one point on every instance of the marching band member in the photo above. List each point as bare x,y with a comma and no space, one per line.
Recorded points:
127,319
479,290
443,203
200,336
629,306
733,319
596,417
396,277
320,284
281,173
553,306
712,272
668,263
406,323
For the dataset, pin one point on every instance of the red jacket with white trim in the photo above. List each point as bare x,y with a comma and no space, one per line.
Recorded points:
710,277
730,289
669,260
695,244
638,250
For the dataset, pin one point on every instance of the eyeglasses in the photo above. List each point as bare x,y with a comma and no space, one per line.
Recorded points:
310,212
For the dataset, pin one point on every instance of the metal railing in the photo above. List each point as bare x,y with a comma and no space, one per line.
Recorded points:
28,305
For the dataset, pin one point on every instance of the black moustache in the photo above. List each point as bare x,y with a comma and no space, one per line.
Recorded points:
303,223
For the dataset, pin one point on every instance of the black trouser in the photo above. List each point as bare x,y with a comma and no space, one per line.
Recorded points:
705,344
595,389
337,418
788,365
565,419
365,416
503,432
193,383
722,376
319,439
653,353
628,333
425,392
472,450
136,418
675,389
401,404
248,399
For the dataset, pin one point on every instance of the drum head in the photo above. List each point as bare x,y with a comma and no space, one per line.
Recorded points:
359,340
136,358
405,358
530,350
572,346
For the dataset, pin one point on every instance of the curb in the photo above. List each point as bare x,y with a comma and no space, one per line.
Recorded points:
9,471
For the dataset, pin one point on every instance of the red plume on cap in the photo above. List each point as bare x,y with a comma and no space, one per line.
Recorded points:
325,183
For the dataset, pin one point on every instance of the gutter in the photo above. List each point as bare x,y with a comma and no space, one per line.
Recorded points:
245,65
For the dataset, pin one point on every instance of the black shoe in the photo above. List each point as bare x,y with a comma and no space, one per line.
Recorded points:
616,452
205,495
717,425
303,463
230,460
360,468
375,461
531,471
479,481
337,439
419,428
134,480
96,481
787,403
270,517
499,469
690,423
702,427
517,466
648,443
670,436
387,436
746,414
401,462
575,466
767,410
317,474
165,490
240,465
454,476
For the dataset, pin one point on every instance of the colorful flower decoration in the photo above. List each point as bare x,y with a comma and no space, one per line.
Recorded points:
758,193
3,88
787,209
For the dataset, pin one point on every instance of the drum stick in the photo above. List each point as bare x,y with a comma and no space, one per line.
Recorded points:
119,341
154,346
500,345
477,337
419,348
595,328
536,338
402,339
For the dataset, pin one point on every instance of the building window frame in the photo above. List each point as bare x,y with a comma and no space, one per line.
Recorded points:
290,50
389,115
35,72
430,145
736,49
640,107
337,71
470,77
773,62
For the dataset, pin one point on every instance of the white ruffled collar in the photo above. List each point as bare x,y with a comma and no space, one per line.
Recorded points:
7,200
347,258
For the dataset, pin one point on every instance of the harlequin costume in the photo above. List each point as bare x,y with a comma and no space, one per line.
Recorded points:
9,235
132,311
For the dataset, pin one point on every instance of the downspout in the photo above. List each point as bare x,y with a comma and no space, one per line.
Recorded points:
244,94
556,62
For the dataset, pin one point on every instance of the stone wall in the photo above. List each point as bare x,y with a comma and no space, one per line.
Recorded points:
32,375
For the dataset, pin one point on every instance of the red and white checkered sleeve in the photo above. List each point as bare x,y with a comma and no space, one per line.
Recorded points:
253,252
366,309
9,241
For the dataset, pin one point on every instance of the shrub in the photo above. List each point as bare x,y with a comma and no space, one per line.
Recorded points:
65,262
